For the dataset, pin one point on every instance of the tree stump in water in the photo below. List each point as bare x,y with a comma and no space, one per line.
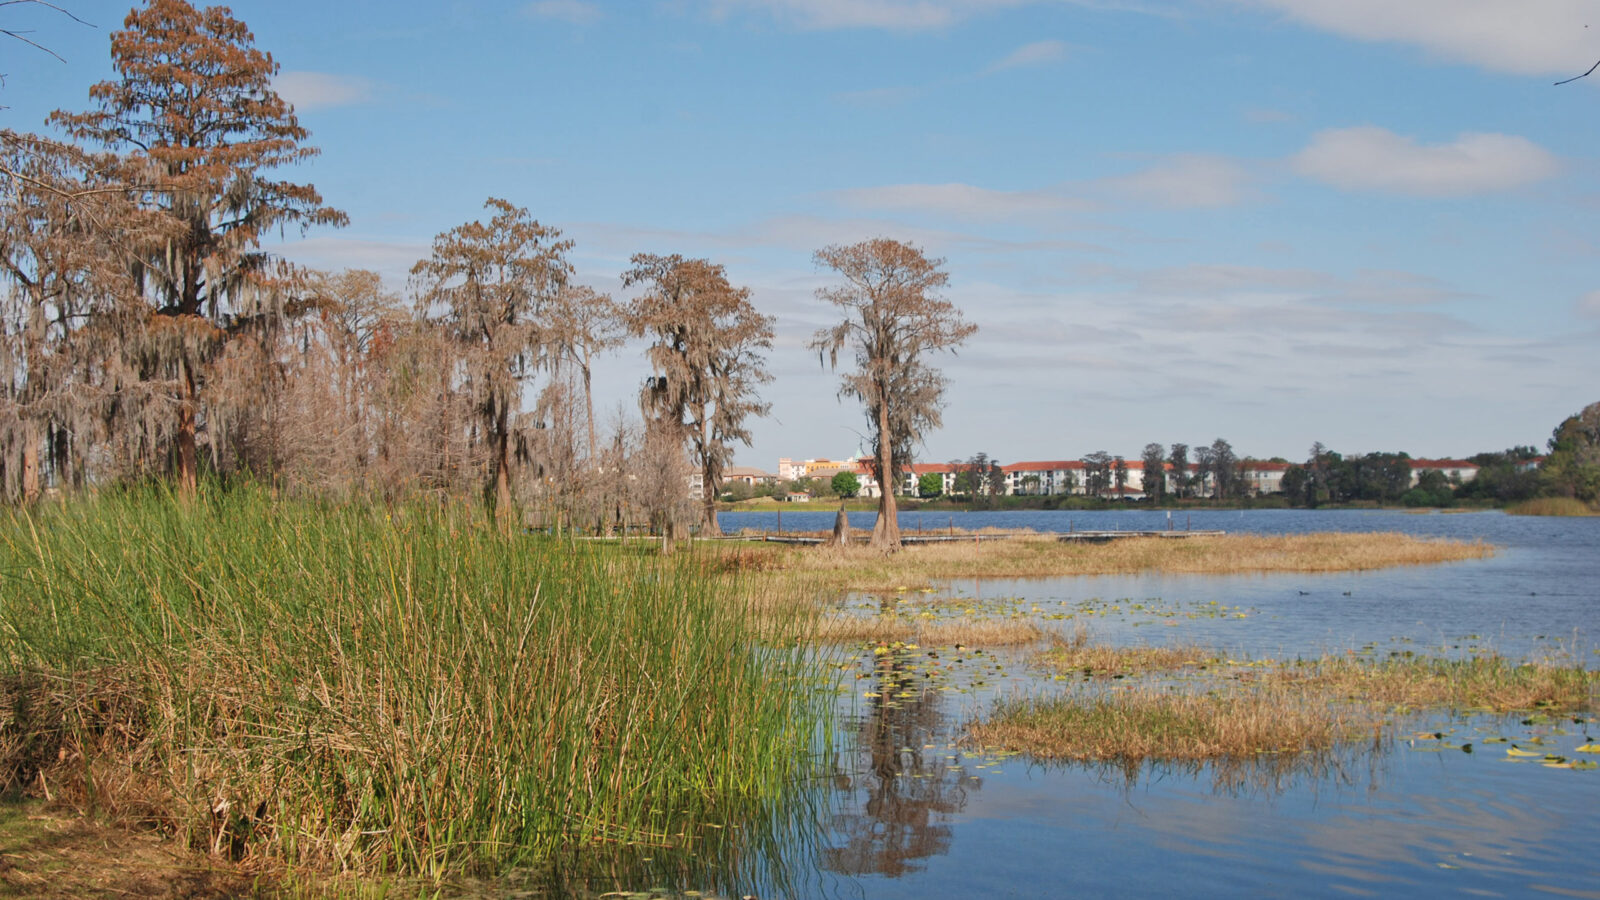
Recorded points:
841,528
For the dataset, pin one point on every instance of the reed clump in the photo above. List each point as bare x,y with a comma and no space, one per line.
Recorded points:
1552,506
1149,722
381,689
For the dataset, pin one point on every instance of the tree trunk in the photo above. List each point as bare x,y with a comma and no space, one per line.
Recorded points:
708,505
588,407
886,533
502,482
188,464
30,470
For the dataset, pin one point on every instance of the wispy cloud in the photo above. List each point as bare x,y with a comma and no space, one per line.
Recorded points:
1038,53
1588,305
1186,181
913,15
392,259
576,12
1545,37
893,15
1181,181
963,201
1368,158
322,90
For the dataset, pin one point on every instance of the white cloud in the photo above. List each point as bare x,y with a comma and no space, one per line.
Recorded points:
1387,287
962,201
321,90
392,259
1037,53
1588,305
576,12
1186,181
1375,159
1523,37
896,15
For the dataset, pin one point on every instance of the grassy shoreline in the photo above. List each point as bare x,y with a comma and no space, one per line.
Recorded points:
403,692
382,691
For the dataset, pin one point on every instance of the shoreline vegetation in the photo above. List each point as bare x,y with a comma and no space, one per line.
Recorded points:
1552,506
402,691
1040,555
293,689
1558,506
1245,709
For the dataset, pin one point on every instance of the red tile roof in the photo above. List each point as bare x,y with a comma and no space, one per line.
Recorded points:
1442,464
1044,466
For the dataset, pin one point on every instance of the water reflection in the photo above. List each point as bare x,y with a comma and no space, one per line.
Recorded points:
1263,776
1416,817
765,852
898,785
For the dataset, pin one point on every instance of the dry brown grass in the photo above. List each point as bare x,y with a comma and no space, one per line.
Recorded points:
58,854
1486,682
1039,555
1304,706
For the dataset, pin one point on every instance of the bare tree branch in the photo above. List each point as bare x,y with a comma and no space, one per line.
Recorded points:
1584,75
22,35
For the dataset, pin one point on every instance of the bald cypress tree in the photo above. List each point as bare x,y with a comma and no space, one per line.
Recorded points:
894,319
193,110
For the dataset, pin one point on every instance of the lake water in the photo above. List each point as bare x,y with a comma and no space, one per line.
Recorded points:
906,810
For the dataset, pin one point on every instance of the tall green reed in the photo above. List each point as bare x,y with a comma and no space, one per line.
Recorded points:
389,689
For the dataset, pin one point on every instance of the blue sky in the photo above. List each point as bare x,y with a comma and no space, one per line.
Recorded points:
1365,222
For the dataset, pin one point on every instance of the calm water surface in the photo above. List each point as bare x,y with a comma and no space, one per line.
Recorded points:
910,814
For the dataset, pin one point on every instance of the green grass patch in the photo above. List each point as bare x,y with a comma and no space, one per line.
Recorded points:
382,689
1552,506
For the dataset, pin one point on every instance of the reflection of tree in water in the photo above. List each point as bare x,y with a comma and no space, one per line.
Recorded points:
899,794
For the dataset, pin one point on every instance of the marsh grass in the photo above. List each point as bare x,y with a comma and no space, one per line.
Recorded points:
1552,506
382,690
1150,722
836,569
1075,653
1488,682
1302,706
